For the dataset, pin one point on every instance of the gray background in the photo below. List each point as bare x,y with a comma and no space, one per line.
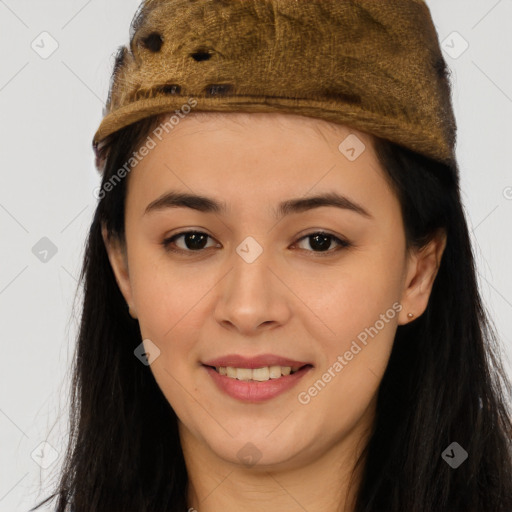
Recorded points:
50,107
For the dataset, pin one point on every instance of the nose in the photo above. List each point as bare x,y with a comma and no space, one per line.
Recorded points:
253,297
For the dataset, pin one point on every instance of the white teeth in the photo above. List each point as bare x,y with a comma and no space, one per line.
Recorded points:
275,372
243,373
257,374
261,374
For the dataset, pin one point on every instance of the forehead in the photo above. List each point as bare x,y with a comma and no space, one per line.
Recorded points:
258,156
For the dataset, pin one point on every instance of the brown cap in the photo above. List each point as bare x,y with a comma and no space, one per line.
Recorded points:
371,64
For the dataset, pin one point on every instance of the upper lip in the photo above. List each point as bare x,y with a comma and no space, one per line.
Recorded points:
238,361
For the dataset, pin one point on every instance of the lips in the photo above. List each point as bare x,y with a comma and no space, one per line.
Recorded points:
254,391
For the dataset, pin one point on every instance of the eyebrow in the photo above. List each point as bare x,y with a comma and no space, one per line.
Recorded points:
204,204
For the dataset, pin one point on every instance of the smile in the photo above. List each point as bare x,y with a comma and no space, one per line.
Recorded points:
255,385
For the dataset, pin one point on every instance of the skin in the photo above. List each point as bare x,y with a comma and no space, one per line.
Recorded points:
293,300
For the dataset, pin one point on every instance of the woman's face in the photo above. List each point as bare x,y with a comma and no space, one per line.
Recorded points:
257,289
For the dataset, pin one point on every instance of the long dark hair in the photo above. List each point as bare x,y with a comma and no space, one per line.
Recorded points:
444,382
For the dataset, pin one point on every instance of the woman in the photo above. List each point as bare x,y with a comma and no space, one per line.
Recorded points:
280,302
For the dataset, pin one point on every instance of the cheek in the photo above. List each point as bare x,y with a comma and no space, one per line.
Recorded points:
353,296
168,308
169,298
360,312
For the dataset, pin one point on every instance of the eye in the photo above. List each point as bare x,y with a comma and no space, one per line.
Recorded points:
196,241
321,241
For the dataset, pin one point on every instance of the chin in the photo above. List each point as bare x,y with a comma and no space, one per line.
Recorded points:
255,448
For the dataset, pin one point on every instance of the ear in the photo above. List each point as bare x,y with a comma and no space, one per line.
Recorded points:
422,269
117,256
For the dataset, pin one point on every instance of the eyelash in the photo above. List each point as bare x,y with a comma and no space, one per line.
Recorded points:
343,244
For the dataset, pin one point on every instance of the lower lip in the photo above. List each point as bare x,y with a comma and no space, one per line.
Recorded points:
247,391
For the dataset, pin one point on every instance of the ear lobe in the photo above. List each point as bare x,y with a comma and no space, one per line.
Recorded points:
118,261
424,267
